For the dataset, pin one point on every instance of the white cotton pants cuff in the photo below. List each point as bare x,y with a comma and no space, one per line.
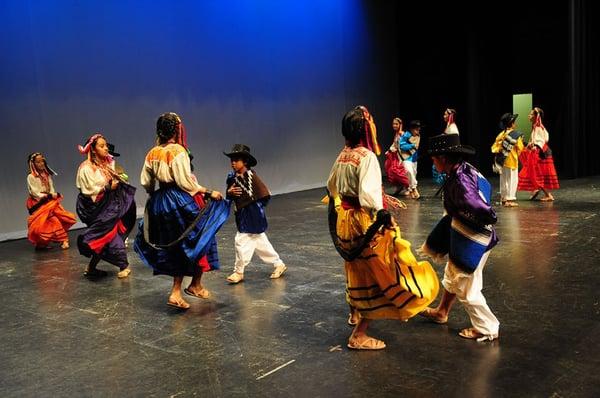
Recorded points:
411,171
467,288
247,244
509,180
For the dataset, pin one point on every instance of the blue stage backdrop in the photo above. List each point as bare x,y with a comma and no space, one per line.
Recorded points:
275,75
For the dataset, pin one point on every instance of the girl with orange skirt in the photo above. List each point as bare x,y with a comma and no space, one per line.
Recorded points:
48,221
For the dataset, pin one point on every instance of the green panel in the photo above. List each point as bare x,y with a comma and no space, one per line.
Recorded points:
522,105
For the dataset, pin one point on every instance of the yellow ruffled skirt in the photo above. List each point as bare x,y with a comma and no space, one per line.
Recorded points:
385,281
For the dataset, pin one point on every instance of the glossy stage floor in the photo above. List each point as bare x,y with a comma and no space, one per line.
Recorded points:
63,335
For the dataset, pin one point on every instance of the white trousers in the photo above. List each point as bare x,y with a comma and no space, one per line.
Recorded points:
411,171
467,288
509,180
247,244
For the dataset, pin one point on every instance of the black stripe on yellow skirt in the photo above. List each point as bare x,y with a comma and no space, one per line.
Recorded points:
379,296
399,306
376,308
400,274
348,240
412,273
362,288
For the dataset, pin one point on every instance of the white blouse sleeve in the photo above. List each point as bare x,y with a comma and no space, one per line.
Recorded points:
147,177
332,181
182,174
539,136
370,193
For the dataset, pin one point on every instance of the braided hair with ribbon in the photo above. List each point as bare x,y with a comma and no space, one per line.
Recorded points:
43,174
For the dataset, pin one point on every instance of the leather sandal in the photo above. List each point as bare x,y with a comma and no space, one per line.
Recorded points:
474,334
369,343
203,293
180,304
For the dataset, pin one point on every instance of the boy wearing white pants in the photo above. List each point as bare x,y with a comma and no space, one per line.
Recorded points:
409,146
465,234
250,196
507,147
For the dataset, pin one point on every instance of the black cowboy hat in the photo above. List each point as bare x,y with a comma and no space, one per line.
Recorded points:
448,143
415,124
507,119
111,150
242,151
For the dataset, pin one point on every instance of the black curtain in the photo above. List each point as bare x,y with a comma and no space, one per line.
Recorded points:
450,58
583,91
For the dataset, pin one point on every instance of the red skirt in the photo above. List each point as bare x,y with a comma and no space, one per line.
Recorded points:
395,171
538,170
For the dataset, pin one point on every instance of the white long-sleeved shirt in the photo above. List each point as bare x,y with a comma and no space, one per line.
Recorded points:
356,173
169,164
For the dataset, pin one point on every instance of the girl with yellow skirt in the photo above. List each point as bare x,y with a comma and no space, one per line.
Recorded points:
383,278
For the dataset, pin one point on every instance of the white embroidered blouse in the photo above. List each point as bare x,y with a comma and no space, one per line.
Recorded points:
356,173
169,164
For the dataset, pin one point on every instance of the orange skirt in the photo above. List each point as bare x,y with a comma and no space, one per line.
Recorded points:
49,223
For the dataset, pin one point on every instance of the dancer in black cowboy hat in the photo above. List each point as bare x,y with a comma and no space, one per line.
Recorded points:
465,234
250,196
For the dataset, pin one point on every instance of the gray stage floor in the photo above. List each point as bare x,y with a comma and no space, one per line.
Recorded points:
63,335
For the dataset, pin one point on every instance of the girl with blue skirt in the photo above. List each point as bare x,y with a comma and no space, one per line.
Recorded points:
177,235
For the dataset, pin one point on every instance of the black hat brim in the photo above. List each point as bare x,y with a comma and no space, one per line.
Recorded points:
458,149
249,158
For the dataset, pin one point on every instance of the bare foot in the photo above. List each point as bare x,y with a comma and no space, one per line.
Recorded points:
64,245
434,315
